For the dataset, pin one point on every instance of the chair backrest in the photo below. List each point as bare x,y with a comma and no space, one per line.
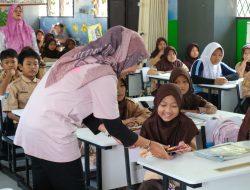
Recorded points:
144,71
135,84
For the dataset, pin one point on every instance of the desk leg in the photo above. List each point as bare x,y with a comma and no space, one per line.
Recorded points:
87,170
165,182
209,94
127,165
219,99
14,157
183,186
99,168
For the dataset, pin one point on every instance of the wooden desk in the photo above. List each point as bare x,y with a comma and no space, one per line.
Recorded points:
199,173
110,161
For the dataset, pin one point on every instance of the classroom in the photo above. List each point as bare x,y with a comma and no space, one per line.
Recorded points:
124,94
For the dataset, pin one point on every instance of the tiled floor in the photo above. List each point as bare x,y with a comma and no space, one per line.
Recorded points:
6,182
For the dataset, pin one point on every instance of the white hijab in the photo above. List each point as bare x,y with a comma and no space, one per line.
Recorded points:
211,71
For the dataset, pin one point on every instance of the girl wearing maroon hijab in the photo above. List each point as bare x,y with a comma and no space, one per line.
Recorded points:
169,60
244,132
192,53
168,126
190,102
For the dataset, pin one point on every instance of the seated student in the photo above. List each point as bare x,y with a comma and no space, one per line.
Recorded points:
169,60
69,45
21,89
192,53
10,72
40,39
168,126
243,67
50,53
190,101
210,69
60,34
131,113
161,44
244,132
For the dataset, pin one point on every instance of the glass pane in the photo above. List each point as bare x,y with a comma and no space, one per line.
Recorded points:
53,8
243,8
67,7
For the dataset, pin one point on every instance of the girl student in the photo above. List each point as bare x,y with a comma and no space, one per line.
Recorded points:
190,101
169,60
168,126
131,113
161,44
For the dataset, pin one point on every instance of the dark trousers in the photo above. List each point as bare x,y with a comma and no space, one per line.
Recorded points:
57,176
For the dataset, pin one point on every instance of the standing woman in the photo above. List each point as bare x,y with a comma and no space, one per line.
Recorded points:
81,85
17,34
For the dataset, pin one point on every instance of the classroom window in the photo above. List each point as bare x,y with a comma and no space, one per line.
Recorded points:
243,8
63,8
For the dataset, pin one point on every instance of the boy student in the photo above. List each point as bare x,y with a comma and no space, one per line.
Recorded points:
21,89
8,59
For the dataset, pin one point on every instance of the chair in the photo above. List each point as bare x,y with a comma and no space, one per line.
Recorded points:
135,84
240,108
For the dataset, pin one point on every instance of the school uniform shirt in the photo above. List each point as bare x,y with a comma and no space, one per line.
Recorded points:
3,75
63,105
198,68
20,91
128,108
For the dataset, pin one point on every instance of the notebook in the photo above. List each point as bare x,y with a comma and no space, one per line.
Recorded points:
223,152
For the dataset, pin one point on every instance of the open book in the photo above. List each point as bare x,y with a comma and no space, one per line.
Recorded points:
223,152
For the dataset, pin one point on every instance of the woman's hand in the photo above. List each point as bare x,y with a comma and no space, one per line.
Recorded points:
158,151
220,81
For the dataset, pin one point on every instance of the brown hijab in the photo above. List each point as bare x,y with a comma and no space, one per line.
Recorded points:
245,127
190,101
123,104
164,64
171,133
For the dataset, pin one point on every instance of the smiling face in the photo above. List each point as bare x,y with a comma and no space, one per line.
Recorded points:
18,13
168,108
216,57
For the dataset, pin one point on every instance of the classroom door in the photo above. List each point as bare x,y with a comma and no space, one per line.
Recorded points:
123,12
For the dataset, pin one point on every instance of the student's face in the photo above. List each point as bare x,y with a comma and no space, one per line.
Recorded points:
18,13
40,36
168,108
71,45
216,56
171,56
182,83
194,52
121,91
9,63
30,67
52,46
246,55
58,29
162,45
129,70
